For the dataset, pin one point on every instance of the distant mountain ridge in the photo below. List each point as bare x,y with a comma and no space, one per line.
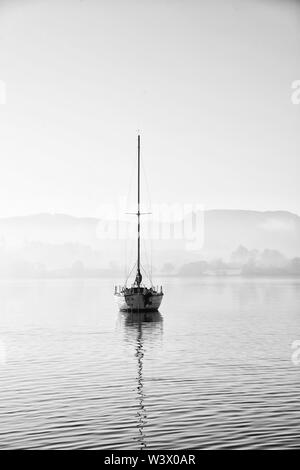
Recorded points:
223,229
60,240
277,230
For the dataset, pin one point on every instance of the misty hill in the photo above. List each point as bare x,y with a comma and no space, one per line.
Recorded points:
227,229
61,241
47,228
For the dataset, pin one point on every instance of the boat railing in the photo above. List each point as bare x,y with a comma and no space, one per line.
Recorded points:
134,290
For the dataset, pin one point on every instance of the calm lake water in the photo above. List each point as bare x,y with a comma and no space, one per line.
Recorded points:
213,370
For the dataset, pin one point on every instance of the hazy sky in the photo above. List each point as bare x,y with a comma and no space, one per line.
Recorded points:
207,82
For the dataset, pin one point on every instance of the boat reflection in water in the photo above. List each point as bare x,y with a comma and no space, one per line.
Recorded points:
140,329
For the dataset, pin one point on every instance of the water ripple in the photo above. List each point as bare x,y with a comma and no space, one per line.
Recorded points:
217,374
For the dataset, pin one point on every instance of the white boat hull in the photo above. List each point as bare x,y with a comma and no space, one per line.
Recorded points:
138,302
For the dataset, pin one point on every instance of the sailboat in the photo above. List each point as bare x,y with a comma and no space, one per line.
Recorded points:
138,297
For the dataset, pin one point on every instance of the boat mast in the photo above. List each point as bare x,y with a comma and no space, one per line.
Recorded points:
138,278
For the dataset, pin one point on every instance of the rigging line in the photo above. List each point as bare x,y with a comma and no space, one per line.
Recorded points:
147,261
150,243
150,224
147,275
133,168
129,253
125,267
149,270
151,246
126,254
130,258
145,272
133,267
129,249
